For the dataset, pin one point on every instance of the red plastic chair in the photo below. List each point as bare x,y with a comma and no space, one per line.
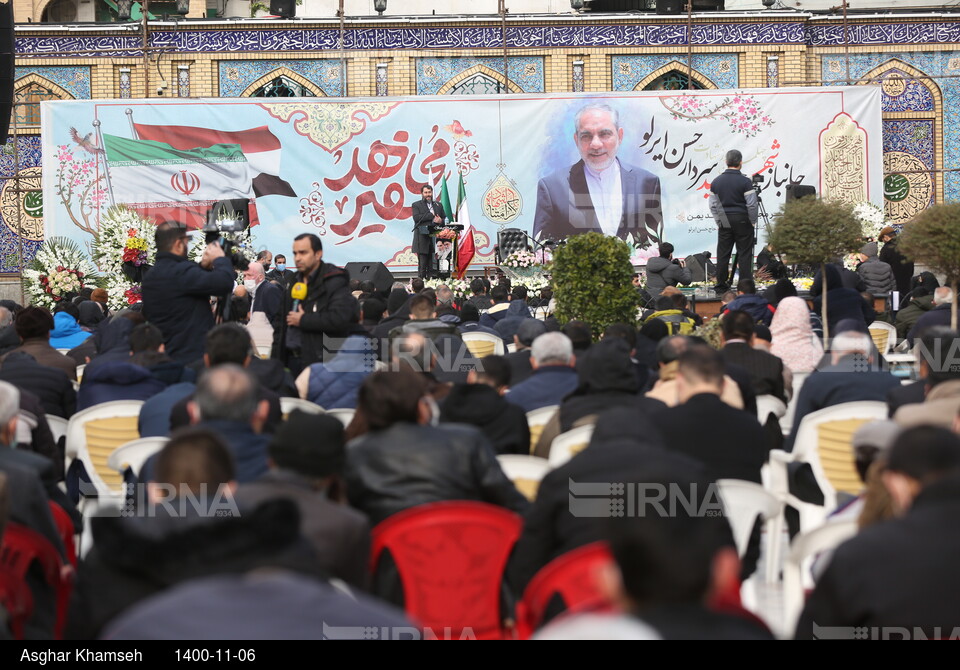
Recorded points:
572,577
450,557
21,547
16,598
64,524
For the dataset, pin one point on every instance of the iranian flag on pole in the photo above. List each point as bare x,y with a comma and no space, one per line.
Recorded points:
164,183
468,246
260,146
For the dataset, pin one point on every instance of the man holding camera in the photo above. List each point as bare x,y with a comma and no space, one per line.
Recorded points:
176,292
734,206
317,304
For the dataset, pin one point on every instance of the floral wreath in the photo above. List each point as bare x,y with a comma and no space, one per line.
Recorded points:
123,249
60,267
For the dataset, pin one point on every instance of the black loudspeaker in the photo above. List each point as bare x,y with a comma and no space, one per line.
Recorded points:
701,267
6,68
795,191
670,6
375,272
285,9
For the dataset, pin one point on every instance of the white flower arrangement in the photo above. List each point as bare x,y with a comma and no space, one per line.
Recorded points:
59,268
461,287
871,218
520,259
123,232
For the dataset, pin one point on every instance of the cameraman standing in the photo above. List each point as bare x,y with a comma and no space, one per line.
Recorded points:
176,292
734,206
326,309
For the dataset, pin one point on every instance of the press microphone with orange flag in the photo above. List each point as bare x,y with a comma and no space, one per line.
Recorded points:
298,292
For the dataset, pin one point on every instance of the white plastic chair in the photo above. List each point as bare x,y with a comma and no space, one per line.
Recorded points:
287,405
796,573
767,405
343,414
525,472
58,426
567,445
743,502
135,453
537,419
807,450
786,421
886,344
483,344
94,433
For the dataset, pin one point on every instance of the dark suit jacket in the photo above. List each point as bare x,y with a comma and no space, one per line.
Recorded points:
423,217
564,206
765,369
907,394
268,299
835,384
730,442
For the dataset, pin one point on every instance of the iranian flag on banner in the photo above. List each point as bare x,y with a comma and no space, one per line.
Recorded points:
164,183
468,246
260,146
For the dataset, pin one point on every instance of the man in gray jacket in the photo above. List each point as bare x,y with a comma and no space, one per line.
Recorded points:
664,271
877,275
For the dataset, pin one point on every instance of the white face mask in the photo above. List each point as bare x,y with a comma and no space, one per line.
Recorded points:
250,285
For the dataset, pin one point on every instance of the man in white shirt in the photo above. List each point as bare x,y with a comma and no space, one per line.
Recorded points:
599,193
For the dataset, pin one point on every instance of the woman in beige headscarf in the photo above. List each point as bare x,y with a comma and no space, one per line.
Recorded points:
793,339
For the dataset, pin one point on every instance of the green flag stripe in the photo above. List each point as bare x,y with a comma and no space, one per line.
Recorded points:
122,152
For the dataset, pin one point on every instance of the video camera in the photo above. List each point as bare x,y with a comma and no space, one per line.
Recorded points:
757,180
226,222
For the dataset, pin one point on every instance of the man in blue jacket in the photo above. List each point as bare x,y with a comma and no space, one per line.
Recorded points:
176,292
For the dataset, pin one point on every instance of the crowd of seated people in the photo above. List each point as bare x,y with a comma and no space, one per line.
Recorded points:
244,482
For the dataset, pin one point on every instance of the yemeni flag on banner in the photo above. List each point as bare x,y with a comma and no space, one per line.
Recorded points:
260,146
468,246
164,183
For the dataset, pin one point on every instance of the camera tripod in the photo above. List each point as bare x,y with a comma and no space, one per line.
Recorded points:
761,214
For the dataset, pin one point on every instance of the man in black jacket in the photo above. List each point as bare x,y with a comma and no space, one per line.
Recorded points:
404,461
734,206
52,386
327,311
426,213
176,292
765,369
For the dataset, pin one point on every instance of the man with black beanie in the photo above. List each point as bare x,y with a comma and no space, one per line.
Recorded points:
307,455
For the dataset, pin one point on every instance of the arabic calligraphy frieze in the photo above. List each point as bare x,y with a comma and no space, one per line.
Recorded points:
884,33
455,37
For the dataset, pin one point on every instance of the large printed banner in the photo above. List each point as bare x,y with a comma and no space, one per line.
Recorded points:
636,165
